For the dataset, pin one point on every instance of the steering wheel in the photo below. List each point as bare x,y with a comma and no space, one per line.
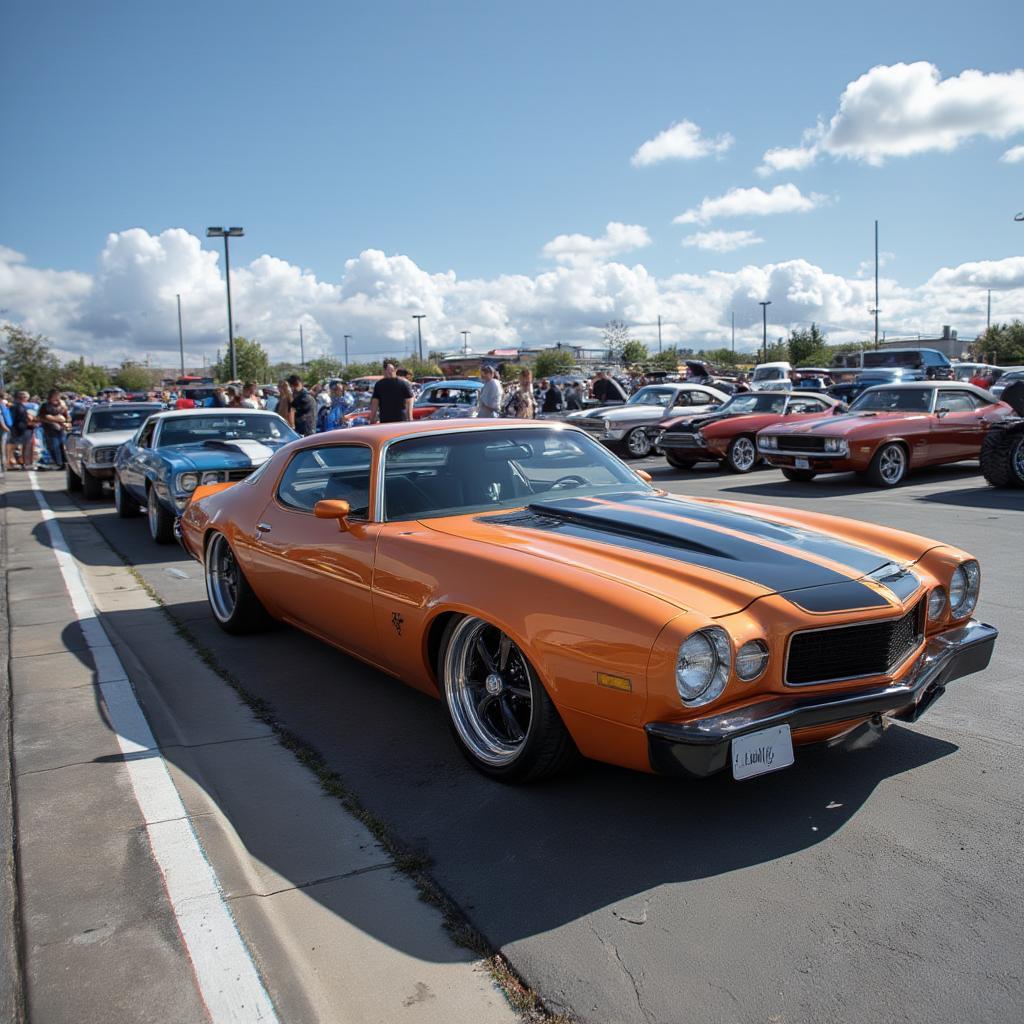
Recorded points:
571,478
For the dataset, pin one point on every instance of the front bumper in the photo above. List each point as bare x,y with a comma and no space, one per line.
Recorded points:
701,747
102,471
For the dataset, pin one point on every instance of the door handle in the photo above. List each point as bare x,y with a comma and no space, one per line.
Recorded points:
262,528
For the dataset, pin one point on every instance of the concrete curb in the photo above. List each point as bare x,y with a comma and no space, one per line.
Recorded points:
12,989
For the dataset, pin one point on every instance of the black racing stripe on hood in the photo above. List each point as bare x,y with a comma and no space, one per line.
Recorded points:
861,560
797,579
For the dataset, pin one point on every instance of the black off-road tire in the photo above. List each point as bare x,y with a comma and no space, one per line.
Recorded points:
72,481
548,748
678,462
799,476
92,486
1002,455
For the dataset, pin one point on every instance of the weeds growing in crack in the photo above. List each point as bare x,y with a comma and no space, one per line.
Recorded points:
411,863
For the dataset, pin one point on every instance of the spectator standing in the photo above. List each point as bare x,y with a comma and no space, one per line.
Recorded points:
342,403
284,403
554,401
392,397
303,406
607,390
250,398
234,398
219,400
523,405
23,429
488,399
54,421
5,432
572,397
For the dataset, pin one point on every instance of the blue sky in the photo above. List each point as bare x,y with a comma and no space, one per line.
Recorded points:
467,136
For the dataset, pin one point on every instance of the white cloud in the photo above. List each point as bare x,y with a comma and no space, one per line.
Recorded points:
617,238
127,307
682,141
722,241
903,109
866,267
752,202
1013,156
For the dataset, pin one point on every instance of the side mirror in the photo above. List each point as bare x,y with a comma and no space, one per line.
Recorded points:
838,410
333,508
644,475
941,412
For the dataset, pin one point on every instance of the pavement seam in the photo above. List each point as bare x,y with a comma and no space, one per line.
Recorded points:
384,865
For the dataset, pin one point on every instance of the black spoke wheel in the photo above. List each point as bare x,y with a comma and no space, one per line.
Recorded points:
498,711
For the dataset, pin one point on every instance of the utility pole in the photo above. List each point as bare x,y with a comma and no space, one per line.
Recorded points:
764,328
181,337
733,315
465,342
226,234
876,310
419,317
988,318
348,338
302,350
659,334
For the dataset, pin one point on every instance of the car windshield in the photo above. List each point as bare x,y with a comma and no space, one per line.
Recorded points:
224,426
448,396
894,400
481,470
763,402
768,373
653,396
103,420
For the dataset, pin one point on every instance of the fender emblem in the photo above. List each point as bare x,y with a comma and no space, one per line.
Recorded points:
397,621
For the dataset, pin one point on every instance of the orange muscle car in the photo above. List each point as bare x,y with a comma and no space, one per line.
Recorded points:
558,604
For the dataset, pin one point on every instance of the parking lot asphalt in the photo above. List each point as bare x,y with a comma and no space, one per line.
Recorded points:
872,885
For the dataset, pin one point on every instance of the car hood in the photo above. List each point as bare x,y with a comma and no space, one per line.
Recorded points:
216,454
626,413
851,423
710,556
108,438
688,424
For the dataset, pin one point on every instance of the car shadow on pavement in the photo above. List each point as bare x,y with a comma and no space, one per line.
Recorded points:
1009,498
520,861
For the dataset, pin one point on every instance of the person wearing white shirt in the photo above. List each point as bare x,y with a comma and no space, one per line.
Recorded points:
488,400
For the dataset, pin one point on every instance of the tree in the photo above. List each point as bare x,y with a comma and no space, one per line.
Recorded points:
1001,344
633,352
82,377
616,334
28,363
321,368
667,359
251,359
133,377
554,360
808,347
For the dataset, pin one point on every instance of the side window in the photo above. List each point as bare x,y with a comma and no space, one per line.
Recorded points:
146,437
955,401
331,472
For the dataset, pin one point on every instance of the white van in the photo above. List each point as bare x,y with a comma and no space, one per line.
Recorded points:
771,377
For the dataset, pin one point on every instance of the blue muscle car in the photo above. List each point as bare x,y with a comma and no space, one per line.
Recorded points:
173,453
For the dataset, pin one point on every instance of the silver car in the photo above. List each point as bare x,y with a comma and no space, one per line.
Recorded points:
623,427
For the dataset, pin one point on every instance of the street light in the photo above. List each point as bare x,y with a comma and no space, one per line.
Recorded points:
227,233
465,342
764,328
181,336
348,338
419,318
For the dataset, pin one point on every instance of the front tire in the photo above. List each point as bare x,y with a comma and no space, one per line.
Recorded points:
499,713
92,486
678,462
233,602
742,455
72,481
1002,455
161,522
637,444
888,466
127,507
799,476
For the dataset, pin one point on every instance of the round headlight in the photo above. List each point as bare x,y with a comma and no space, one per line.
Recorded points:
188,482
212,477
702,668
963,589
936,604
751,660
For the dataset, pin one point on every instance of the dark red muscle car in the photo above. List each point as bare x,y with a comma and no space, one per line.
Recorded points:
888,431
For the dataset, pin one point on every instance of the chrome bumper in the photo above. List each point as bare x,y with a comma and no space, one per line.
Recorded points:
701,747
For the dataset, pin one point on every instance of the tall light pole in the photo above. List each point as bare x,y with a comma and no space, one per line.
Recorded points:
419,318
465,342
764,328
733,317
348,338
302,350
659,334
876,310
181,336
219,232
988,316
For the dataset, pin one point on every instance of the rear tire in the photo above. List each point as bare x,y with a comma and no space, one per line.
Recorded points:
799,476
678,462
72,481
127,507
92,486
161,522
888,466
1002,455
742,455
500,715
233,602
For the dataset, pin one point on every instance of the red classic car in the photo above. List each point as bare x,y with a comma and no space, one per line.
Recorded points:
889,430
727,434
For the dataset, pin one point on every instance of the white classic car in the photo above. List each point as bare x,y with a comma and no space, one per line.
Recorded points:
90,449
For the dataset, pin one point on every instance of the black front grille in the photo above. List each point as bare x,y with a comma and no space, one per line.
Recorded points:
801,443
874,648
678,440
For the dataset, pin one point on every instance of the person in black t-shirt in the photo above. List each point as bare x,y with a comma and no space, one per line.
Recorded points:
304,407
392,397
54,423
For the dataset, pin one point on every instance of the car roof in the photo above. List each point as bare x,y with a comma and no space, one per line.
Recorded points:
456,383
126,405
209,410
934,385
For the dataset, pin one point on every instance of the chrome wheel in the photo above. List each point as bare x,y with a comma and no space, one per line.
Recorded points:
742,455
222,577
638,443
488,691
153,513
892,464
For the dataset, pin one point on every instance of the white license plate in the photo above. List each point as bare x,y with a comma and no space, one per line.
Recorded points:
803,463
761,752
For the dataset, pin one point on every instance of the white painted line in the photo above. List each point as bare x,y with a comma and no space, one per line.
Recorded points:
225,974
